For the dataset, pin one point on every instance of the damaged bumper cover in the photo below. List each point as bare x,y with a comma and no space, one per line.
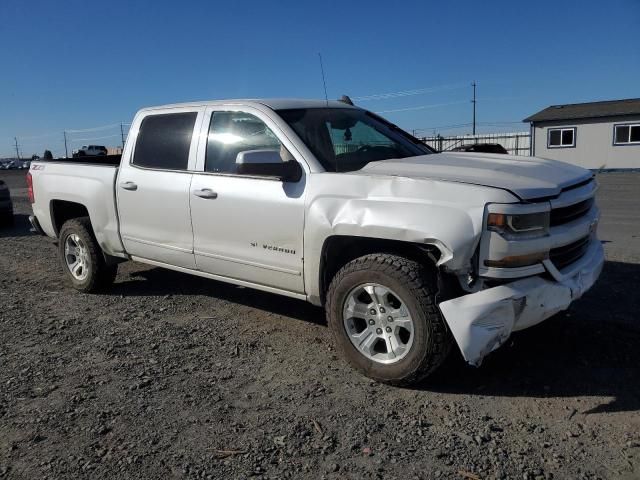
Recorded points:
481,322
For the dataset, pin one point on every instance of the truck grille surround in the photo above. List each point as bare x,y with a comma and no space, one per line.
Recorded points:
568,238
567,254
562,215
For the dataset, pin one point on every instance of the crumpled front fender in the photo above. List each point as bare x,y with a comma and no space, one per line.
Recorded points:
426,212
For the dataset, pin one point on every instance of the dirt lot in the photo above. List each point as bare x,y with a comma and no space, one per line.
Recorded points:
172,376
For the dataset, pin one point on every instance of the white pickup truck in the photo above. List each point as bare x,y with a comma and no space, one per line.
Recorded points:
408,250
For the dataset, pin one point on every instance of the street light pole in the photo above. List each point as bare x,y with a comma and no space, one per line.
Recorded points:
66,152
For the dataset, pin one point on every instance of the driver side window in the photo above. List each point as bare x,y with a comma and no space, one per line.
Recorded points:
233,132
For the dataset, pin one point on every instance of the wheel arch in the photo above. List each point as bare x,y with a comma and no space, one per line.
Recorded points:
64,210
338,250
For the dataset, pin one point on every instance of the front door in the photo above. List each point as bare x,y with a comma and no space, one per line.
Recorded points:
153,187
246,228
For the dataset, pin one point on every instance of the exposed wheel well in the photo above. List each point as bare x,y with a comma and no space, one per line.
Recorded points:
62,210
339,250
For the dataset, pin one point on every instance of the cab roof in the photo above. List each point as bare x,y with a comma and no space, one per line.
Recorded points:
273,103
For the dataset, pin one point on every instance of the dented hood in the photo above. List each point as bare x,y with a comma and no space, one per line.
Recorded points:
526,177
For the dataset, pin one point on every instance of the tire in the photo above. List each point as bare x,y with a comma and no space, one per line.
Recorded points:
94,274
416,288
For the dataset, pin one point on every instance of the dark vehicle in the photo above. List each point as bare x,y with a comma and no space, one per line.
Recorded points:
481,148
6,206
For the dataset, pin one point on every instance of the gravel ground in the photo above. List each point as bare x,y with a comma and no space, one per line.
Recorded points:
173,376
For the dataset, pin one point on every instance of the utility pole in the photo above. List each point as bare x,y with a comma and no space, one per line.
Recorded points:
122,135
66,152
17,150
474,106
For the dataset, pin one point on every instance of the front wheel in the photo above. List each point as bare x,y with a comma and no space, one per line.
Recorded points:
81,257
382,312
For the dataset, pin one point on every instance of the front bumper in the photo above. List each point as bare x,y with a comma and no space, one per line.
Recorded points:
481,322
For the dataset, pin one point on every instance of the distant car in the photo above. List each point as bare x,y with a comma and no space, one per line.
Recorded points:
481,148
6,206
8,165
90,151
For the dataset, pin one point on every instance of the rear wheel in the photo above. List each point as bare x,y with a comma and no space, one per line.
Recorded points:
82,258
382,313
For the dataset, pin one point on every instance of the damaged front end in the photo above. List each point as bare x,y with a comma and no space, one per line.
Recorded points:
481,322
554,255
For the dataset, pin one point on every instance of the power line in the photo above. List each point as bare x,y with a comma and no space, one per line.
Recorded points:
35,137
54,134
405,93
459,125
442,127
422,107
94,129
94,138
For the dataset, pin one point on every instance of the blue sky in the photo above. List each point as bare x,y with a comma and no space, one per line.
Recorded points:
70,65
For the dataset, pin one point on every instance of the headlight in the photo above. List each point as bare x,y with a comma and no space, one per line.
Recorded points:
515,235
536,224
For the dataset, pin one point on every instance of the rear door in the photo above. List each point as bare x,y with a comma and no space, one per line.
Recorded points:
246,228
153,186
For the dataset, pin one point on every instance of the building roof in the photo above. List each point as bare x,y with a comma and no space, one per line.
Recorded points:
572,111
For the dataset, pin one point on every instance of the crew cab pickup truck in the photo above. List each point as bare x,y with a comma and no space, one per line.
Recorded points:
410,252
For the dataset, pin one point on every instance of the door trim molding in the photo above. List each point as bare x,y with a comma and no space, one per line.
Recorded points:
247,262
156,244
257,286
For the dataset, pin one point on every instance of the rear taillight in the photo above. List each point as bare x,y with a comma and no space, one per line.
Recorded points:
30,194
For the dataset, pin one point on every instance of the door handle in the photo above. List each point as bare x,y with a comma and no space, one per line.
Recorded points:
129,185
205,193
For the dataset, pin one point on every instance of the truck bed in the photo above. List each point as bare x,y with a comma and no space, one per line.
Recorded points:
84,182
113,160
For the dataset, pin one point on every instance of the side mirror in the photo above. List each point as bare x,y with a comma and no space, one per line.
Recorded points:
268,163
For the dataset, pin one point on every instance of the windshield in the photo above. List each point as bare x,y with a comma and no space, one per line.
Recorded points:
346,139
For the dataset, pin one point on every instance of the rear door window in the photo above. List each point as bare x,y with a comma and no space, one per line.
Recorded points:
164,141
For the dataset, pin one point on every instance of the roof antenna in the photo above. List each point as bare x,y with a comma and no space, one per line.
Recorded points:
324,83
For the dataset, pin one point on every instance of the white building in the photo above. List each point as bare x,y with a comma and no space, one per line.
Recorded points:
596,135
